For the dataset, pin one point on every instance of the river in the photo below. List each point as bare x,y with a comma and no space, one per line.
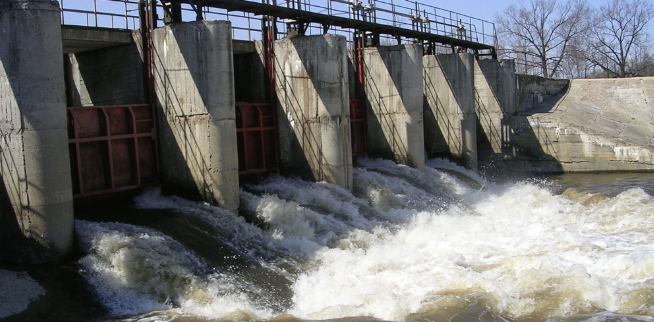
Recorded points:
443,244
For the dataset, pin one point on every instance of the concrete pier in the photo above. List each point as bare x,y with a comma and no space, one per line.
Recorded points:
313,108
36,208
450,118
495,89
194,77
394,99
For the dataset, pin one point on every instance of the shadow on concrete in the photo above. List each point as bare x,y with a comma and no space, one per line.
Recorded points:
508,141
177,139
15,246
294,151
20,100
300,148
383,134
249,78
443,137
108,76
439,129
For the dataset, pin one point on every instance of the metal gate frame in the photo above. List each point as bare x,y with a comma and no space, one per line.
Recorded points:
256,133
112,148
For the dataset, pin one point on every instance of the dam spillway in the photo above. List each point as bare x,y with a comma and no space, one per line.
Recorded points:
392,243
404,245
195,97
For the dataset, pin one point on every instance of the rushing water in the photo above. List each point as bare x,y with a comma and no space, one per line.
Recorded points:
405,245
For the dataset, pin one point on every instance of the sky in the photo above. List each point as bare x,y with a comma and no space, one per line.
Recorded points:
481,9
487,9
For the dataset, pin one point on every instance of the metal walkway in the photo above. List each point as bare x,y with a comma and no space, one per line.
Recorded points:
396,21
373,18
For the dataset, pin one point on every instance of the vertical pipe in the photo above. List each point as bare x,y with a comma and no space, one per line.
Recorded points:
78,156
109,149
137,164
126,20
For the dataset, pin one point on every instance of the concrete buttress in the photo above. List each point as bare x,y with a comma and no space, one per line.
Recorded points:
495,92
450,118
394,103
194,76
36,198
313,108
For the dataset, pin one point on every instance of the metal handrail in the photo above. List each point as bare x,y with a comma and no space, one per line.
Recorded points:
404,14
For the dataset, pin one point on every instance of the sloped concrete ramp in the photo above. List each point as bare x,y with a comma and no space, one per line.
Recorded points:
597,125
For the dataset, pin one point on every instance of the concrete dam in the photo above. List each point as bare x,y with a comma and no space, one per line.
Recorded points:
89,111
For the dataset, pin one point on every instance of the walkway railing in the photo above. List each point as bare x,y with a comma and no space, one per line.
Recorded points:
403,14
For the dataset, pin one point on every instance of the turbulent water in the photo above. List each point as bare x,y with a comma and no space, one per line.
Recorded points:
405,245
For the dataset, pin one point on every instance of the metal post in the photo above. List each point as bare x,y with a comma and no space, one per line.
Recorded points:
126,20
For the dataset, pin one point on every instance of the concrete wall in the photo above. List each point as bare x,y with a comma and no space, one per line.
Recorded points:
598,125
249,76
450,118
197,128
313,108
495,98
531,91
36,209
394,103
108,76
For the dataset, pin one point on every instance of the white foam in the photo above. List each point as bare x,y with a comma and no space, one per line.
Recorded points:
531,252
404,242
138,270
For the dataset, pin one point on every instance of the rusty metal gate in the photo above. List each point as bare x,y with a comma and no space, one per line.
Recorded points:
358,127
256,130
112,148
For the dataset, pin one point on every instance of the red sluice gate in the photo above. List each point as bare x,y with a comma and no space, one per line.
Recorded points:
358,127
112,148
256,130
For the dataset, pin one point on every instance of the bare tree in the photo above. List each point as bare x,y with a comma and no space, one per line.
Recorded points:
620,40
547,30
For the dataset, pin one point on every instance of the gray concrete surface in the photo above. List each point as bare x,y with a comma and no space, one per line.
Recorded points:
194,78
111,76
394,103
250,73
598,125
78,39
36,208
450,118
314,108
495,94
531,91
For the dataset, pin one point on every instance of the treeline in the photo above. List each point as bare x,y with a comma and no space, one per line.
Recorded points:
570,39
